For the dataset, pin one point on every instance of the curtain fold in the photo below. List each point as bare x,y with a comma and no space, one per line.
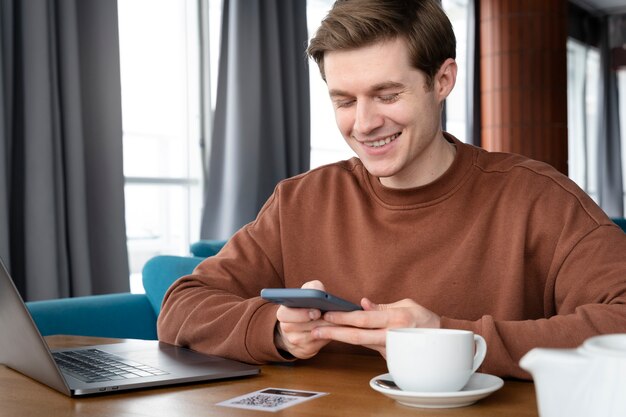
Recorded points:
472,97
62,210
261,128
6,125
610,184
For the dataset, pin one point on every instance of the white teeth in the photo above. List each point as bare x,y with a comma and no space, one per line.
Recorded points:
379,143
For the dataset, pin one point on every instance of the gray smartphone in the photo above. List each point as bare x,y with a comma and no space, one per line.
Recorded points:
307,298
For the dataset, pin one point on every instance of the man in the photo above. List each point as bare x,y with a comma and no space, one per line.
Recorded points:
421,229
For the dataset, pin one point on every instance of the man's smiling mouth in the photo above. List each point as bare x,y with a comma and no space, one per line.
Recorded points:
382,142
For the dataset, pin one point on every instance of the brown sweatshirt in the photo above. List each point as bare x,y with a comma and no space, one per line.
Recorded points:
501,245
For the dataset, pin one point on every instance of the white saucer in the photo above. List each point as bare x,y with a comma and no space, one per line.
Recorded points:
479,386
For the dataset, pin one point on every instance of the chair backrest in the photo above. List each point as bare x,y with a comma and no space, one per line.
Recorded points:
160,272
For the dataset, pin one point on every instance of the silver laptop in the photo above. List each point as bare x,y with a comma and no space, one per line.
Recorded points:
121,366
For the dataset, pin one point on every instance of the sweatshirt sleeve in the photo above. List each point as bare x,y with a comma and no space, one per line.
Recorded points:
586,297
217,310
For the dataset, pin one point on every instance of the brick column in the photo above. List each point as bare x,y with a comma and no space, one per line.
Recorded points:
524,78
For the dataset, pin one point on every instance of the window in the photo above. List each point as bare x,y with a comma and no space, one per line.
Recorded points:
583,72
327,144
159,45
457,11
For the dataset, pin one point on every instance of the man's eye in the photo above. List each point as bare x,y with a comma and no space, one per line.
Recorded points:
344,103
389,98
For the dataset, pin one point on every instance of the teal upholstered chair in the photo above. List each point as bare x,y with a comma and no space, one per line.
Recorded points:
123,315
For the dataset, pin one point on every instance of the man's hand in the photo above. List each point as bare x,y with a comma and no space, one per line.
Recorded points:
369,327
293,330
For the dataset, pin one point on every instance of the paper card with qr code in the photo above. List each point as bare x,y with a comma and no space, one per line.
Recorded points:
271,399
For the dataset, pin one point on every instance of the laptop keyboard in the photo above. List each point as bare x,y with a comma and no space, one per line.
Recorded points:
93,365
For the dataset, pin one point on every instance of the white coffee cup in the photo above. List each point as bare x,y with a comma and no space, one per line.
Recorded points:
433,360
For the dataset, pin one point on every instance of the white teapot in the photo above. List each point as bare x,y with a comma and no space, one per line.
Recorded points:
583,382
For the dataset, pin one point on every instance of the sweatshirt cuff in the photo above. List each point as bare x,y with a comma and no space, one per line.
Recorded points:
260,336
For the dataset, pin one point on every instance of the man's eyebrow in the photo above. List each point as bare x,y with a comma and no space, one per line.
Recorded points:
387,85
337,93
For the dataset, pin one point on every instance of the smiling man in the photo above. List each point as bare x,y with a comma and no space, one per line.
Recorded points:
421,229
388,112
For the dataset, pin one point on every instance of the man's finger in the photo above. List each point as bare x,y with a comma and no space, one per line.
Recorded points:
361,319
297,315
351,335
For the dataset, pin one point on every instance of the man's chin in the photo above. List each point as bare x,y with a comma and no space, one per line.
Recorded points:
379,170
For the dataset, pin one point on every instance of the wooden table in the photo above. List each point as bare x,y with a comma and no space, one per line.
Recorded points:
345,377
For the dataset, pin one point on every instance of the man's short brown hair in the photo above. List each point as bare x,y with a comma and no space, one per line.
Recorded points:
352,24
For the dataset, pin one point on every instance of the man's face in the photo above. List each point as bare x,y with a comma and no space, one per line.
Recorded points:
386,113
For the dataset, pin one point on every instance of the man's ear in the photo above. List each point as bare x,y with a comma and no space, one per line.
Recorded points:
445,78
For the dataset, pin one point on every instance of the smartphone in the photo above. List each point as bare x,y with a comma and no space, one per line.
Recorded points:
307,298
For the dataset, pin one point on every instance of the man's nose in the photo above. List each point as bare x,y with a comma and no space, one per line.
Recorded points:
367,118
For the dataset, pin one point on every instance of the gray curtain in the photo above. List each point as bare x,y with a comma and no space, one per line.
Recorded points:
62,230
610,187
472,98
261,123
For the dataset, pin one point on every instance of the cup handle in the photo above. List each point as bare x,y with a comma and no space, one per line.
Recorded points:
481,351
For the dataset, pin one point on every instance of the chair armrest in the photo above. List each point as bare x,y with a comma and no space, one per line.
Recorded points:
122,315
160,272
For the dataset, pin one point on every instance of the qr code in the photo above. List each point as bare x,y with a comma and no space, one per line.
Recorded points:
264,400
271,399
